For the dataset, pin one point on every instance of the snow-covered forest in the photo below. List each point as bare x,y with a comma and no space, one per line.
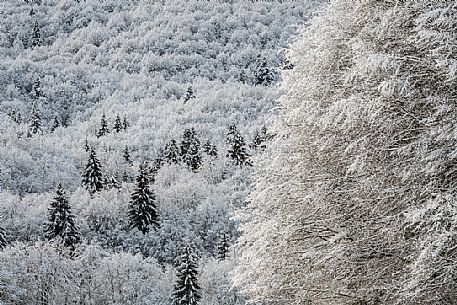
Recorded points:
128,132
237,152
355,199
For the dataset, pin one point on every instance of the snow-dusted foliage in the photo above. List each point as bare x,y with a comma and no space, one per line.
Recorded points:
355,201
187,290
89,90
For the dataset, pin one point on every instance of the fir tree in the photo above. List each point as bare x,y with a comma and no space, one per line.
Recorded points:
190,149
36,37
113,183
32,12
262,73
237,151
103,128
142,211
154,168
55,124
222,247
259,139
34,122
37,91
125,124
189,94
171,152
126,156
126,177
210,149
118,124
3,241
186,290
86,145
61,222
92,176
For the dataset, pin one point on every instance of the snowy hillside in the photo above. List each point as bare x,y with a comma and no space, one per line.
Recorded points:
149,115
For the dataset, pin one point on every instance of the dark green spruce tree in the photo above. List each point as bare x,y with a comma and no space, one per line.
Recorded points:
263,75
222,247
103,127
3,241
210,149
125,124
142,210
36,36
55,124
61,222
189,94
190,149
118,124
237,150
187,290
171,152
34,122
126,156
92,178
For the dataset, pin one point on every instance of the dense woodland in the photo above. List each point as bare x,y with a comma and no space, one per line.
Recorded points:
354,200
228,152
128,131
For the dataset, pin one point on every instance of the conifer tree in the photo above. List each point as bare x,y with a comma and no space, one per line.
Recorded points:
36,36
34,122
55,124
61,222
222,247
37,91
237,151
142,211
118,124
259,139
86,145
154,168
125,124
189,94
3,241
171,152
263,75
113,183
103,128
210,149
187,290
126,155
190,149
92,176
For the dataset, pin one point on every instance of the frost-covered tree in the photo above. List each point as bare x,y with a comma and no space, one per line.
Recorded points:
142,211
118,127
237,151
190,149
210,149
259,139
187,289
125,123
222,246
61,221
92,178
263,74
35,124
37,91
103,127
86,145
3,241
189,94
126,156
36,36
171,152
55,124
113,183
353,200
